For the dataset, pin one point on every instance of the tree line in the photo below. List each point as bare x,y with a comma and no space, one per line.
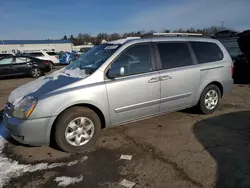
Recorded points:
85,38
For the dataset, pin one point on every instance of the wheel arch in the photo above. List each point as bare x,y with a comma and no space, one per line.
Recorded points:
217,83
87,105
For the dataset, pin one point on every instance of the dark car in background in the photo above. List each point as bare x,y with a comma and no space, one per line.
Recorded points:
23,65
238,46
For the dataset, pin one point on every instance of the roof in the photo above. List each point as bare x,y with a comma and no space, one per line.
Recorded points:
33,41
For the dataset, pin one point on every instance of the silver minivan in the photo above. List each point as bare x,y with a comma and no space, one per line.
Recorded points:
119,82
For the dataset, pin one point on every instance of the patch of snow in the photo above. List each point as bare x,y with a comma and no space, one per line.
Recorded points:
11,168
126,157
65,181
75,73
127,183
122,41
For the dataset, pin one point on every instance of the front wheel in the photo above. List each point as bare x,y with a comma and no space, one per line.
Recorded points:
209,100
35,72
77,129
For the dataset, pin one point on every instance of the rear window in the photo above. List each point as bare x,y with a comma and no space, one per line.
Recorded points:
51,53
35,54
207,52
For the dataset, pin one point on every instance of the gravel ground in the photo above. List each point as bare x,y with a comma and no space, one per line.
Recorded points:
179,149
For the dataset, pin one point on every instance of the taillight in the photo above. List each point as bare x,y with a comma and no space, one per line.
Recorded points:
57,57
232,68
46,62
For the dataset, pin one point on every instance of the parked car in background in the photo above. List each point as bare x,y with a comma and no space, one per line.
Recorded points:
119,82
51,56
238,46
23,65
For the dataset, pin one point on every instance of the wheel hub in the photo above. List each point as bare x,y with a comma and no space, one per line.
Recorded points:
79,131
211,99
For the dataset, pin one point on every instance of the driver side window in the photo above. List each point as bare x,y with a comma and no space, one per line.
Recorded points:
135,60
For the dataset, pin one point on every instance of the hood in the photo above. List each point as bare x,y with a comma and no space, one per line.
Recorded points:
47,84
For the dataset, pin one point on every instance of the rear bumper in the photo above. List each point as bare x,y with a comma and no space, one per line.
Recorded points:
227,86
35,132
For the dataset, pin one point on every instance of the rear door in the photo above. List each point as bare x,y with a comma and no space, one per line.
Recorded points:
179,73
6,66
22,65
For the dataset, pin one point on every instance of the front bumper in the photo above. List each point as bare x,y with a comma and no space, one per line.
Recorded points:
35,132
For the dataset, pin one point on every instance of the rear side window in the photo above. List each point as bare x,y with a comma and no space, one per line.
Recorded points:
174,55
51,53
36,54
207,52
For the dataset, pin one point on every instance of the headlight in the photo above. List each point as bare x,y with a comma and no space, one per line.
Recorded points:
25,107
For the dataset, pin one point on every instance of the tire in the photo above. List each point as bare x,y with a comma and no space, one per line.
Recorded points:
62,129
51,65
203,106
35,72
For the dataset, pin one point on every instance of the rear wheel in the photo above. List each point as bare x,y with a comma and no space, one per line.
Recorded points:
50,65
77,129
209,100
35,72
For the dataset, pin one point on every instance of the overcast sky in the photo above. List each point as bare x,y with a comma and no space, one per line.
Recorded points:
33,19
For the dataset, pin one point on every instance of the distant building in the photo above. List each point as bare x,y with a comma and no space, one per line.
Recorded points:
27,45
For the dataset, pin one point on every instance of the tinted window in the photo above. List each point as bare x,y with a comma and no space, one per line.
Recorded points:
36,54
174,55
51,53
135,60
207,52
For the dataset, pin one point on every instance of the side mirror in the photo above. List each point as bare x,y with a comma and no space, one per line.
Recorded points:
115,72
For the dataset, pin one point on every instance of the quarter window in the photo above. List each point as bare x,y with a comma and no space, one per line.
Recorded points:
174,55
207,52
135,60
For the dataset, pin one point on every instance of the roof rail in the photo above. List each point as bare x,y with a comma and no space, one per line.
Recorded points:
177,34
171,34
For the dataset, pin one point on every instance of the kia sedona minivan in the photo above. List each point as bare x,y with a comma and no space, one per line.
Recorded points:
118,82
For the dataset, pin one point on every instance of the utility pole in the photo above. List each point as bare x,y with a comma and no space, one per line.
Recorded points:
222,24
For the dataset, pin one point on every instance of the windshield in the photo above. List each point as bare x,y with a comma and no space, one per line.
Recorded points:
93,58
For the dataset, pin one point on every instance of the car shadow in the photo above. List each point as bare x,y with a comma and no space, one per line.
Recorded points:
227,139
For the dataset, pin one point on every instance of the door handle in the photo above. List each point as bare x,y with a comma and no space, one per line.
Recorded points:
155,79
166,77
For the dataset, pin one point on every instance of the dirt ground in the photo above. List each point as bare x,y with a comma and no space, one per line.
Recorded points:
180,149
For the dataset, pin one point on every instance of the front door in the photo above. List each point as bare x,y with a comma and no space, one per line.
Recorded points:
180,76
6,66
134,92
